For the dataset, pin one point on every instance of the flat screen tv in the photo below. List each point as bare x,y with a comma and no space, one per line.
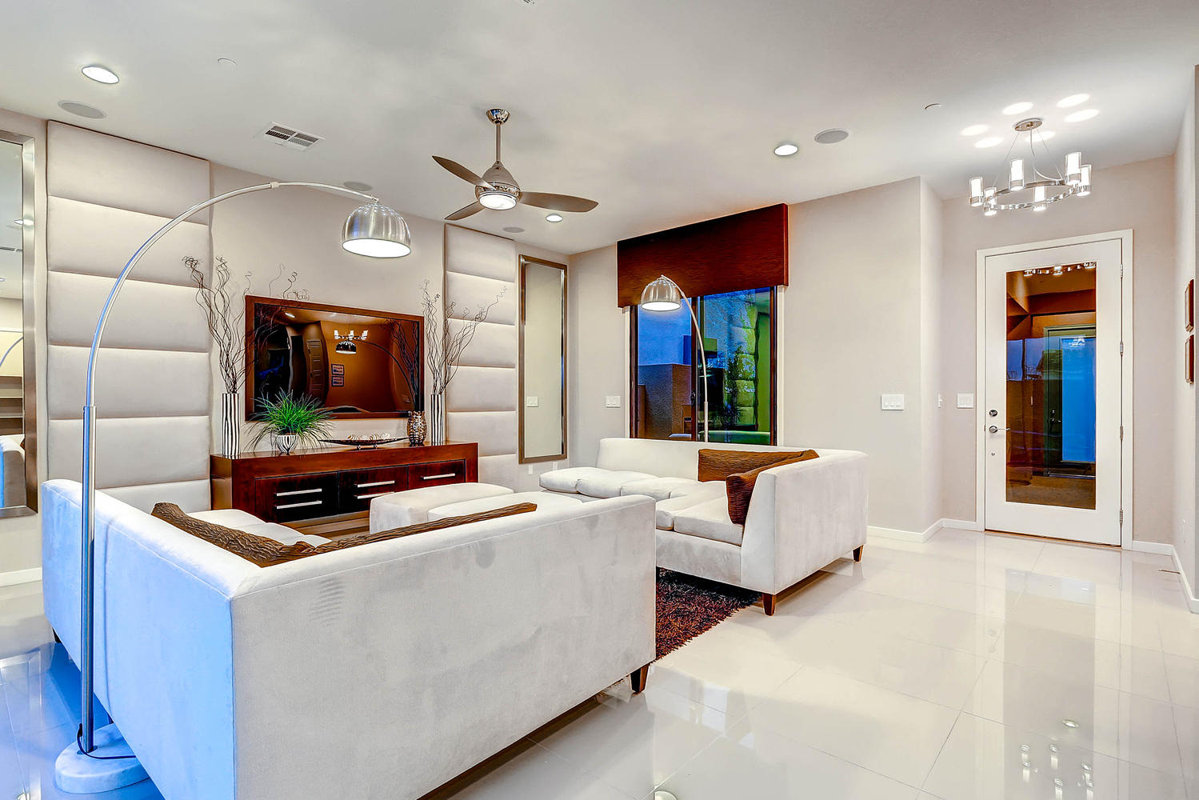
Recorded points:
357,363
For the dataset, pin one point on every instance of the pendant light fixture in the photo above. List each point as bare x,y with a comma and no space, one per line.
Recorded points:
1027,186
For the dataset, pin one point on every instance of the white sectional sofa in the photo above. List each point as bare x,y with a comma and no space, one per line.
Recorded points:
801,517
378,671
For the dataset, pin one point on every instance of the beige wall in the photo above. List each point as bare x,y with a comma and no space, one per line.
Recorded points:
20,537
1138,196
1186,166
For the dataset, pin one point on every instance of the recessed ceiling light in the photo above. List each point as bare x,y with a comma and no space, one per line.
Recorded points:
100,74
989,141
81,109
514,229
357,186
786,149
554,217
1082,116
832,136
1017,108
1073,100
974,130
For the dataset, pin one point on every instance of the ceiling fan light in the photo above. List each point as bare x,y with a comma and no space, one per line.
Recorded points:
376,231
497,200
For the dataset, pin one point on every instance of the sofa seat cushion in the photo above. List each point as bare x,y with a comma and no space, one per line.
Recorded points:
709,520
701,493
565,480
229,517
398,509
661,488
542,500
608,482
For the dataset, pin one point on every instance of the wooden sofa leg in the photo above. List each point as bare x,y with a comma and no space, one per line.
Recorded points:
857,553
639,679
768,603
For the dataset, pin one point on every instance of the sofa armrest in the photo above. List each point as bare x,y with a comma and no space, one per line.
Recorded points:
803,516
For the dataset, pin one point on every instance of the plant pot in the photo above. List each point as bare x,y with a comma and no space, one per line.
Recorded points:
230,425
416,428
437,418
284,442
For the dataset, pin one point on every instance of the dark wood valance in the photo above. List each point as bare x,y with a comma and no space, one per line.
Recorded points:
729,254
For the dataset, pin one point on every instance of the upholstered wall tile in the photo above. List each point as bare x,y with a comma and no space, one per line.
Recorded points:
498,469
482,389
188,495
134,450
481,254
469,292
118,173
495,431
94,240
129,383
146,315
493,346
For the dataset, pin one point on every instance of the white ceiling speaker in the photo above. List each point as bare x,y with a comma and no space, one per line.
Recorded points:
832,136
81,109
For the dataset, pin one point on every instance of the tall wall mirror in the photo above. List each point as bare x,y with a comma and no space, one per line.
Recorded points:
542,360
18,431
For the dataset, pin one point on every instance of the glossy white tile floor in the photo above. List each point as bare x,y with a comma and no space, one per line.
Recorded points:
969,666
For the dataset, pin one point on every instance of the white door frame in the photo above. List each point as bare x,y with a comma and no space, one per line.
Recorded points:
1126,329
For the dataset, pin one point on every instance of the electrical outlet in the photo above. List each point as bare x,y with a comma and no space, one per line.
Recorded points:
612,401
892,402
532,401
940,400
965,400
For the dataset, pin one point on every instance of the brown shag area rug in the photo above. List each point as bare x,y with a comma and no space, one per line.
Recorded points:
688,606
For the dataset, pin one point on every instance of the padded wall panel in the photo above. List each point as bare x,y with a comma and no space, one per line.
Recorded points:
118,173
153,378
82,237
470,292
482,389
131,383
146,315
132,451
481,403
493,346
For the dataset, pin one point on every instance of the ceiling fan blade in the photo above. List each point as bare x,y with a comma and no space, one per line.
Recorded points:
557,202
461,171
466,211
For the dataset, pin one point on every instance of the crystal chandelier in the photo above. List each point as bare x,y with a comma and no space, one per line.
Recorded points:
1027,186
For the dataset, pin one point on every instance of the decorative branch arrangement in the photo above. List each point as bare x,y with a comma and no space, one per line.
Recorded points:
223,302
447,342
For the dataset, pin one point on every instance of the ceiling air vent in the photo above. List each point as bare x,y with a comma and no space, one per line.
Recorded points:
290,137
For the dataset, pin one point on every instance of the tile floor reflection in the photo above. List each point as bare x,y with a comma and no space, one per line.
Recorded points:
966,667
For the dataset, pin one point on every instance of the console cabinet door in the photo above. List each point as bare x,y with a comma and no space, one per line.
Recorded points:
299,497
358,487
437,473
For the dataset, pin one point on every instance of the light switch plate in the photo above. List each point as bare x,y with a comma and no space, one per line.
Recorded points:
612,401
892,402
965,400
531,401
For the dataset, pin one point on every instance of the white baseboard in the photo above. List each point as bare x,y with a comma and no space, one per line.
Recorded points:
1159,548
1188,591
902,535
19,576
961,524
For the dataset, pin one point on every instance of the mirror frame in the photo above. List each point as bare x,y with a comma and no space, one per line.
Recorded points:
28,324
525,261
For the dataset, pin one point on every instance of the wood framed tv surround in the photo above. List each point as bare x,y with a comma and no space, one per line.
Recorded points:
334,481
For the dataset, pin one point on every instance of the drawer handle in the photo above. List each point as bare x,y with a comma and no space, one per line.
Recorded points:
375,483
296,492
370,496
442,475
300,505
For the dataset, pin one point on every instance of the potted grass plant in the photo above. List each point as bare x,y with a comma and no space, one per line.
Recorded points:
292,421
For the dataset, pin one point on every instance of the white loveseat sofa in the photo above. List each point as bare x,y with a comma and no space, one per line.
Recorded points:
378,671
801,517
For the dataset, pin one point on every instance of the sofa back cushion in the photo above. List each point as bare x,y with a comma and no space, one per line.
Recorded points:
666,458
265,552
740,487
717,465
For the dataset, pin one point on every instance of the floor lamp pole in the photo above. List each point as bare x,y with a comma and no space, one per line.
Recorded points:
703,355
82,771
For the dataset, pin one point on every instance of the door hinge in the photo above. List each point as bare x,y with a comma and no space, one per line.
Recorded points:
1121,517
1121,349
1121,433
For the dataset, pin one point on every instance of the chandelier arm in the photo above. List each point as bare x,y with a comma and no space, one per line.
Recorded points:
1006,160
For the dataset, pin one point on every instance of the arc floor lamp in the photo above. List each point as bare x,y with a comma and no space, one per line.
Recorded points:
664,294
100,760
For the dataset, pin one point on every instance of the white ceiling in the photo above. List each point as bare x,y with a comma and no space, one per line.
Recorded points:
664,111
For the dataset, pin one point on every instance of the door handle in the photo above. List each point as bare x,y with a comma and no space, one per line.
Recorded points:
997,429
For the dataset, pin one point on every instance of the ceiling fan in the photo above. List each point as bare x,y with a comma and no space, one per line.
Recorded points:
498,190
